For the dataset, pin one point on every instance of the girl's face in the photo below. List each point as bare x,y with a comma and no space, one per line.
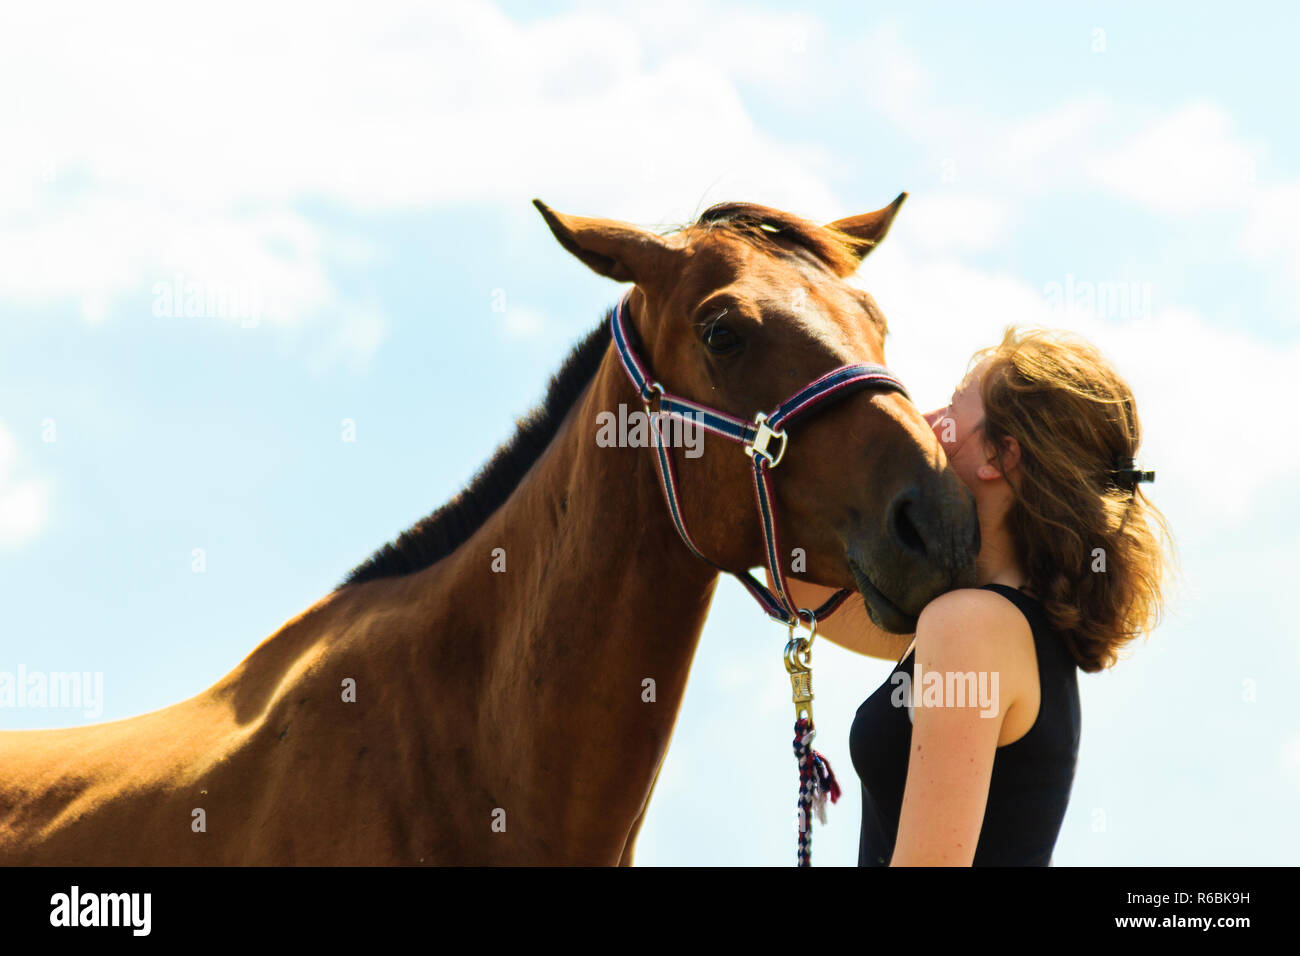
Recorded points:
959,427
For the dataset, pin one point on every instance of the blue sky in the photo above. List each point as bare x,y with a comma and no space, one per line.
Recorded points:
365,178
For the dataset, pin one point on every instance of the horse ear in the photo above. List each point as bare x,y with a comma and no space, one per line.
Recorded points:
618,250
869,228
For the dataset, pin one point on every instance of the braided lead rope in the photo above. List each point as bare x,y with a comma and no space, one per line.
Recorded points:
816,782
803,758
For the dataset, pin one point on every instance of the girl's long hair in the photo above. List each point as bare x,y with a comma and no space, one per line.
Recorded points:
1095,549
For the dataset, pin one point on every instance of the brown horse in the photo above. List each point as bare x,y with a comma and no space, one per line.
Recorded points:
476,692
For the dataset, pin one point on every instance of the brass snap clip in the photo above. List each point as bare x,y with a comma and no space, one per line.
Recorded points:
798,664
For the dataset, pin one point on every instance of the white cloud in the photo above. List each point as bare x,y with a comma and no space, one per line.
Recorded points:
1045,150
954,221
8,452
523,322
1270,236
24,502
1272,223
1193,163
1183,164
351,341
140,146
1021,156
105,246
895,83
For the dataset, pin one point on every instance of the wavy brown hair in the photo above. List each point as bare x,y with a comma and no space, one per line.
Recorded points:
1076,421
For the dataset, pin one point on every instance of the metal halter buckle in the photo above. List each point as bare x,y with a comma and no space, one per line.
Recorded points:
761,439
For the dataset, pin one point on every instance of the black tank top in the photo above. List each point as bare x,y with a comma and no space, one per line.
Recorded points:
1031,780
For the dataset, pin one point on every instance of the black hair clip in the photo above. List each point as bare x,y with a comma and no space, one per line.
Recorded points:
1126,474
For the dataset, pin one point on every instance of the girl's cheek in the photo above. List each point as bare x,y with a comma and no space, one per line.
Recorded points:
935,417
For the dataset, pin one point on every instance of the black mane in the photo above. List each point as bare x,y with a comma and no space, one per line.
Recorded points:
775,231
439,534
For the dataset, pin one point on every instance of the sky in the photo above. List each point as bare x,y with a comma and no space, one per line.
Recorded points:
349,191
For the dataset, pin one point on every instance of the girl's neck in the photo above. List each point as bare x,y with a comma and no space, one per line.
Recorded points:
997,562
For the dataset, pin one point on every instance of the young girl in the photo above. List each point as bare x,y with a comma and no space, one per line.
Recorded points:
974,764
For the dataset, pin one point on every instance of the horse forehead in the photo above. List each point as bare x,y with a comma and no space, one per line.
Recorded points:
811,298
768,277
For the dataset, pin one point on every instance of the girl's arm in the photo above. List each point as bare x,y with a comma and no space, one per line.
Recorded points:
954,743
850,626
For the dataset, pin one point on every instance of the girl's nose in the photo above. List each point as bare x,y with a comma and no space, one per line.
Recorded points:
934,416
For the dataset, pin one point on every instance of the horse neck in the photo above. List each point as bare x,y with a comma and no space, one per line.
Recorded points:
598,597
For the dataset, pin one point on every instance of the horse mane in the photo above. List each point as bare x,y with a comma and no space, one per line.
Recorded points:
438,535
775,230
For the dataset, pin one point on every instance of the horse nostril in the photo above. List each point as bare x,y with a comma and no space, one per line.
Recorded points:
904,528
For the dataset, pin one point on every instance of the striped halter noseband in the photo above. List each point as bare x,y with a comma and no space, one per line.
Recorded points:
757,438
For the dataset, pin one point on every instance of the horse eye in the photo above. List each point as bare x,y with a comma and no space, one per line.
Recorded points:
717,337
720,339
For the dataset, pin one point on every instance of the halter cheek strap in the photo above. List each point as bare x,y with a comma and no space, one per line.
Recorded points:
763,439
